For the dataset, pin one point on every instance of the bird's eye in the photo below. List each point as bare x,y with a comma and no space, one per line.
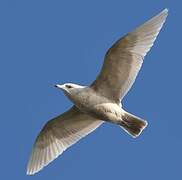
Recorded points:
69,86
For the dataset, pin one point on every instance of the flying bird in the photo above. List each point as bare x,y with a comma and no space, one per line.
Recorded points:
101,101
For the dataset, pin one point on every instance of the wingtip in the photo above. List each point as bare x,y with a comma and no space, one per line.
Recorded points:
165,11
30,172
163,14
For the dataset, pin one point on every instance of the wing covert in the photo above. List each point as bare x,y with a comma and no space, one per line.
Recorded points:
124,59
59,134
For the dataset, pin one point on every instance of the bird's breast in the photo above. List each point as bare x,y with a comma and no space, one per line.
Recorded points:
97,106
107,111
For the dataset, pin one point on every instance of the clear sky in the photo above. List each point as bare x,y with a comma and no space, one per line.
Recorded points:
47,42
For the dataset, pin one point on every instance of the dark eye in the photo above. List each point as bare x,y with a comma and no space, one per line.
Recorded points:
68,86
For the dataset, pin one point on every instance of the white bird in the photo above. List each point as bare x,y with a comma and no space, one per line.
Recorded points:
101,101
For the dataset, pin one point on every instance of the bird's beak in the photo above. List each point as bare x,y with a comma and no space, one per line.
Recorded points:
59,86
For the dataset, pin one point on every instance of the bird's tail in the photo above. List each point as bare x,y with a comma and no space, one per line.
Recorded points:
133,125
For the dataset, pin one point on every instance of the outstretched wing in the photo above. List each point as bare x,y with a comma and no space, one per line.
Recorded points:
124,59
59,134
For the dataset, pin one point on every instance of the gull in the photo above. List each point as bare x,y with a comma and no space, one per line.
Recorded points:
101,101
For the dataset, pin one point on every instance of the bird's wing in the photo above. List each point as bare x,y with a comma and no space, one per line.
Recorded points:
59,134
124,59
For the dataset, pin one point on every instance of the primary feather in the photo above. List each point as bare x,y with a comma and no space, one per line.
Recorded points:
59,134
102,100
124,59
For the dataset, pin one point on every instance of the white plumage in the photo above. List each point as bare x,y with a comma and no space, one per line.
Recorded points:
102,100
59,134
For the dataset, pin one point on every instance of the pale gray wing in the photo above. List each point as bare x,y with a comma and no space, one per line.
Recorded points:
124,59
59,134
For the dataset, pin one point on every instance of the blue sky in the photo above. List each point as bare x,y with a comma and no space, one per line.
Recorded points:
47,42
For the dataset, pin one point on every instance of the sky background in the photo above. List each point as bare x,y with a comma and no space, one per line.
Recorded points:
43,43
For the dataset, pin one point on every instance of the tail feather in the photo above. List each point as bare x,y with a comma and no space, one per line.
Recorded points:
133,125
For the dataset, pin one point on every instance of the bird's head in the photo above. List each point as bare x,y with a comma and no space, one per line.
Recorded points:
69,88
